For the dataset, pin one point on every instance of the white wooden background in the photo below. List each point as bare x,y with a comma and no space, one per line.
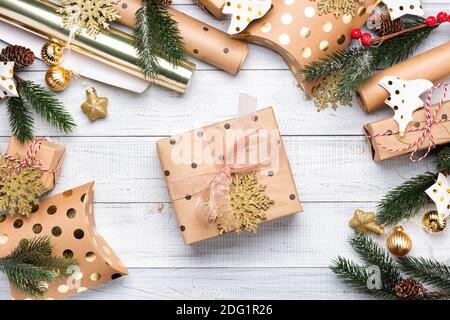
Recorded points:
288,258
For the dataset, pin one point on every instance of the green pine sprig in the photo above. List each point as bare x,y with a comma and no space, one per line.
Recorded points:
30,266
20,119
156,34
428,271
442,160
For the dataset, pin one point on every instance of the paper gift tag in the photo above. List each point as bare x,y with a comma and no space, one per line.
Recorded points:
399,8
245,11
440,194
7,84
404,97
69,219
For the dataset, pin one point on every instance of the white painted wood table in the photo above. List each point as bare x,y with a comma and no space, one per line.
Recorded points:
288,258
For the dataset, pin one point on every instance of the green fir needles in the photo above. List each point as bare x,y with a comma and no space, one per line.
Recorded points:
30,267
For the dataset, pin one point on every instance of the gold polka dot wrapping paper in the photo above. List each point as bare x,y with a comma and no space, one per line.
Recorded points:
68,218
280,184
201,40
7,84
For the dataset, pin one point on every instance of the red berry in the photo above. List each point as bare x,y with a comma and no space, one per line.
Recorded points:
366,39
442,16
356,33
431,21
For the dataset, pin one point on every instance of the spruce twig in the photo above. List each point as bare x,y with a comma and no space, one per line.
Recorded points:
20,119
442,160
428,271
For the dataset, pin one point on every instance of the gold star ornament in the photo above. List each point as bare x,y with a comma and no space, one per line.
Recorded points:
364,222
95,107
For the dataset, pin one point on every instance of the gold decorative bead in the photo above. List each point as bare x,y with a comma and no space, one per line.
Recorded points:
58,78
399,243
95,107
433,223
52,53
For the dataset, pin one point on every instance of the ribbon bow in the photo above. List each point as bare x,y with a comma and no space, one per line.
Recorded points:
213,186
7,84
29,161
430,120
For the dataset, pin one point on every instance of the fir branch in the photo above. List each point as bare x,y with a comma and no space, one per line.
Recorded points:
46,104
429,271
442,160
406,200
30,266
373,254
356,277
156,33
20,119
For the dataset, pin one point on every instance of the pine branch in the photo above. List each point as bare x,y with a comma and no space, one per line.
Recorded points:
46,104
406,200
373,254
156,33
356,277
442,160
429,271
20,119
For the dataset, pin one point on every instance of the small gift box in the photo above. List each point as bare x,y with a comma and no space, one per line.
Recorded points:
212,192
45,155
67,218
426,130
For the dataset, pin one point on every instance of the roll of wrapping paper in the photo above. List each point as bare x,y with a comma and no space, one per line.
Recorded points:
432,65
213,7
112,47
201,40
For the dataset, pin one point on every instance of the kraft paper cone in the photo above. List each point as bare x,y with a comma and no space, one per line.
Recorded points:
280,185
441,133
432,65
201,40
50,155
295,30
69,219
213,7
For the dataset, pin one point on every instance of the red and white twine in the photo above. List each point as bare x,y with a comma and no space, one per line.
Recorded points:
427,133
29,161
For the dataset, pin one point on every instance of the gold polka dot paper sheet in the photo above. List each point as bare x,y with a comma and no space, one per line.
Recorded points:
379,145
440,194
243,12
399,8
280,184
7,84
68,218
404,97
295,30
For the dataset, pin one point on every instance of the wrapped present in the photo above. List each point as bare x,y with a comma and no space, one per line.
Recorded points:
42,154
429,127
69,219
213,7
229,176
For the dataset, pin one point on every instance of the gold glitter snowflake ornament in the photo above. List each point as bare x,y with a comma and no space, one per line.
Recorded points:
89,15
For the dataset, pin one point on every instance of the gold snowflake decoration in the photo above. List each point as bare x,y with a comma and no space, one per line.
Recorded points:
89,15
20,192
249,203
337,7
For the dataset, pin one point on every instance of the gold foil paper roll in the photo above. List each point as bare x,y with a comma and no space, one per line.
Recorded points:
432,65
200,39
213,7
112,47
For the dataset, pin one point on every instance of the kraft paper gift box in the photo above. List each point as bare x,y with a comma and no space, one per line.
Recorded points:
280,185
68,218
382,146
49,154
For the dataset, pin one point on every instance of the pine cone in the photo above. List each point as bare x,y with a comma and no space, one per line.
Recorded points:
21,56
388,26
409,289
164,3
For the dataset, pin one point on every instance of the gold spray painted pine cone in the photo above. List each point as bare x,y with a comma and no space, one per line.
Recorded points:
433,223
95,107
52,53
364,222
58,78
399,243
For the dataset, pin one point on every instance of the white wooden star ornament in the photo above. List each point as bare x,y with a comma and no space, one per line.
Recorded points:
245,11
7,84
399,8
440,194
404,98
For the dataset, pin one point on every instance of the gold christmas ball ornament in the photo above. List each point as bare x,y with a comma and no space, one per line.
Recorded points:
364,222
58,78
95,107
398,242
52,53
434,223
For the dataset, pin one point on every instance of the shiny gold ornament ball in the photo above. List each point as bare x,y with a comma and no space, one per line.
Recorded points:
52,53
58,78
398,242
433,223
95,107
